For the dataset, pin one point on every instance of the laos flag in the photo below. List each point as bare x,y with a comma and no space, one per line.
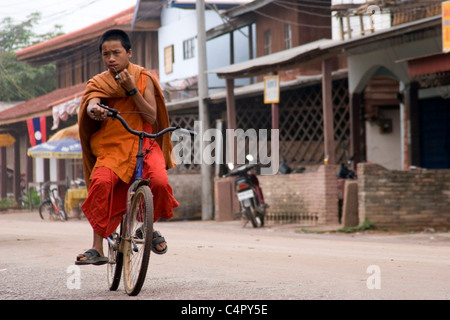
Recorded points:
37,130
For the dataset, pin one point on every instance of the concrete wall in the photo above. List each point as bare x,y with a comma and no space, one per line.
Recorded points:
405,200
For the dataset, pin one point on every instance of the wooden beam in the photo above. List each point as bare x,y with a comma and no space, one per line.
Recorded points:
231,104
355,127
327,105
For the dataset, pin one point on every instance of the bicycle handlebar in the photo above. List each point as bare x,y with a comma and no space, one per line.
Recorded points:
114,114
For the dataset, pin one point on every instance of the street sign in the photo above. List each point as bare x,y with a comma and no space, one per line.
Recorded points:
271,89
6,140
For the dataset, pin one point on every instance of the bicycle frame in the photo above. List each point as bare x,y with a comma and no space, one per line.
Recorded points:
138,174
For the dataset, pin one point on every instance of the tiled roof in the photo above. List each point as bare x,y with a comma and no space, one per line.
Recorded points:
41,105
122,19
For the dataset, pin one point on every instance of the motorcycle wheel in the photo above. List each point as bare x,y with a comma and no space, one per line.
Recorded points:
260,219
250,213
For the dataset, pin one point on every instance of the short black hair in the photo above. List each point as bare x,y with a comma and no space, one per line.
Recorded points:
115,34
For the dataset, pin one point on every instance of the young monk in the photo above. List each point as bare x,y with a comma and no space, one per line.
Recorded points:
109,151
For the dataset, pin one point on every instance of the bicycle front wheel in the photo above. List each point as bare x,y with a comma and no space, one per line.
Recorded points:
138,240
46,210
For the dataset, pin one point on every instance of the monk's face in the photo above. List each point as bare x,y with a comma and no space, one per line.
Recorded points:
115,56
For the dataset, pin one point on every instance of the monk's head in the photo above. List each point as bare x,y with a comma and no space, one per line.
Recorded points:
115,48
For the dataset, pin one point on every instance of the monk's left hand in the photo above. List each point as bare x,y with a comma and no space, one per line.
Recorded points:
126,80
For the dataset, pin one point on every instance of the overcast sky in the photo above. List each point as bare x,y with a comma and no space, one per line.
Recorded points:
72,15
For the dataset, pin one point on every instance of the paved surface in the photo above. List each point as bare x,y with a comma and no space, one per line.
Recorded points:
221,260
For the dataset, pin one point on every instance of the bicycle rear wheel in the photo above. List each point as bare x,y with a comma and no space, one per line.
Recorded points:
138,240
115,260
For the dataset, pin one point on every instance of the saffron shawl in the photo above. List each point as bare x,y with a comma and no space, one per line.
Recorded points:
105,87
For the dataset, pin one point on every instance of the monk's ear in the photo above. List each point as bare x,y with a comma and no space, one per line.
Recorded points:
130,54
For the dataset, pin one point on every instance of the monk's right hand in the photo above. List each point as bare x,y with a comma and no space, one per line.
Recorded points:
95,112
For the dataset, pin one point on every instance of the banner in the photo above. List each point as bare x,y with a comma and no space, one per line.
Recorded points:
446,26
37,130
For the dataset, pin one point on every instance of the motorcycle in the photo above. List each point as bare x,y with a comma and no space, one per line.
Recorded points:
345,172
249,194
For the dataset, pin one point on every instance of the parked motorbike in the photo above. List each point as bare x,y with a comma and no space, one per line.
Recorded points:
345,172
249,194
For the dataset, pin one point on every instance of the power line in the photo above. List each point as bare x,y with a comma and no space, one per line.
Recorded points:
292,22
8,77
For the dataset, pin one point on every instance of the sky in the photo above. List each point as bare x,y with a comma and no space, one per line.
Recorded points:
71,15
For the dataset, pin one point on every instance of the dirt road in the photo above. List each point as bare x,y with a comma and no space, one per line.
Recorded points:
218,261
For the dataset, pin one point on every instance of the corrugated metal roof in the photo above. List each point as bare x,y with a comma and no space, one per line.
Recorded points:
281,60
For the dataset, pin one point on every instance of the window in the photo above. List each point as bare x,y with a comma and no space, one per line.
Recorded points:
188,48
168,59
267,42
287,36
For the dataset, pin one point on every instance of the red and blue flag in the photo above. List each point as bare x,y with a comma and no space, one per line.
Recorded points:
37,130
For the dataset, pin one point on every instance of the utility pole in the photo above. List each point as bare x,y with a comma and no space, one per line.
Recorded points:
207,187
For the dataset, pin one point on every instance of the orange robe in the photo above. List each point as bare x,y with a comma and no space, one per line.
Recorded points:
109,152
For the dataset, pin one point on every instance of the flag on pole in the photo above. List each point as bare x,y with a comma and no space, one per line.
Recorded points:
37,130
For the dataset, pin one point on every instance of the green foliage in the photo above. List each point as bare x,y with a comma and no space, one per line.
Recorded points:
35,198
20,81
8,202
23,82
14,37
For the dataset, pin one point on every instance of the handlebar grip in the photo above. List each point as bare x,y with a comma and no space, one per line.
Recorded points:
108,114
111,112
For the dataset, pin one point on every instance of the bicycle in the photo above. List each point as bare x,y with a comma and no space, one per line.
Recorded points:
130,245
52,207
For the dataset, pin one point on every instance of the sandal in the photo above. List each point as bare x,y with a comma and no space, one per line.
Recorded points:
157,239
93,257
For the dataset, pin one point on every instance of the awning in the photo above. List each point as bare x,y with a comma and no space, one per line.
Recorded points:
429,64
66,148
280,60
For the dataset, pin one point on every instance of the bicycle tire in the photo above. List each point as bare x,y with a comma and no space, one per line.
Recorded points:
138,245
61,212
115,261
46,210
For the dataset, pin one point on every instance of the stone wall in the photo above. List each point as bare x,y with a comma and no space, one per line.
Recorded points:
405,200
188,192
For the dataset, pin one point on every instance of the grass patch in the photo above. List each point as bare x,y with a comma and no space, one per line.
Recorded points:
365,225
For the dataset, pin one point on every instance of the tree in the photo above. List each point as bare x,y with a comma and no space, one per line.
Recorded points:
20,81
